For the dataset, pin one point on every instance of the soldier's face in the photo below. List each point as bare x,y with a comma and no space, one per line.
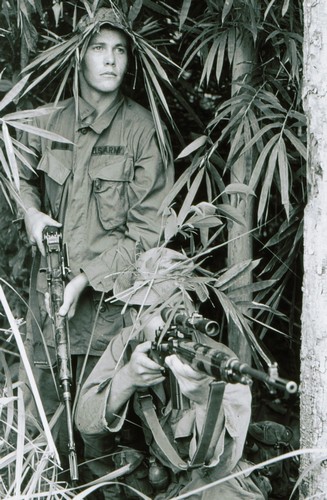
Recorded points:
105,62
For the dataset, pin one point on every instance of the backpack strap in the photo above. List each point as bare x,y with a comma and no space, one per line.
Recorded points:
200,457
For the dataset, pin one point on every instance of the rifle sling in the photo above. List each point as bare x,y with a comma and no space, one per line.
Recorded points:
200,457
34,305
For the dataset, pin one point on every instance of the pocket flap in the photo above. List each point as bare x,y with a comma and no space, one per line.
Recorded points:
118,171
53,167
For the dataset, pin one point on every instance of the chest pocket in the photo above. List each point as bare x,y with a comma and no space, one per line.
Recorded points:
55,175
110,182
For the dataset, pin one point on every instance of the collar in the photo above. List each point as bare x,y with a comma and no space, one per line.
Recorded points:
100,123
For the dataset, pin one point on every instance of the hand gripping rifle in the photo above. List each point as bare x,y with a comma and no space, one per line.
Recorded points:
57,270
181,339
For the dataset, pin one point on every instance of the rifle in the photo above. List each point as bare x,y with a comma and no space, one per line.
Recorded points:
181,339
57,271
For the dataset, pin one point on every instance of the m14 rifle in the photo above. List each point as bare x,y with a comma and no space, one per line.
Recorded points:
56,271
181,338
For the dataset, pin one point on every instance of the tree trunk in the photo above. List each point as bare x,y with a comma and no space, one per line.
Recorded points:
313,404
240,247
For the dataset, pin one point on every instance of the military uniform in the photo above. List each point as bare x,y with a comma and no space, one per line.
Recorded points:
181,426
106,188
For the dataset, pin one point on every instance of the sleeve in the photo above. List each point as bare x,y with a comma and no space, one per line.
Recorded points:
151,183
231,424
30,186
230,429
92,402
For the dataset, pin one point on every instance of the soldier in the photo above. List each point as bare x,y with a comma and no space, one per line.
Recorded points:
104,189
111,407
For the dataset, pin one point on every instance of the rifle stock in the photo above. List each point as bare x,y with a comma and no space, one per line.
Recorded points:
57,269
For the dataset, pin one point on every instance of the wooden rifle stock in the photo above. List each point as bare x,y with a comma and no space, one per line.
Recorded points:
57,269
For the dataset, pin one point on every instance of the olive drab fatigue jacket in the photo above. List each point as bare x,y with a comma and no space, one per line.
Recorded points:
232,418
106,187
181,426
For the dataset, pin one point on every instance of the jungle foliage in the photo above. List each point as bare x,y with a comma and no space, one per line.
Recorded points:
184,71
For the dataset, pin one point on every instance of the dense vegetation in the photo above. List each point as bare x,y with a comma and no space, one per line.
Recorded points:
226,79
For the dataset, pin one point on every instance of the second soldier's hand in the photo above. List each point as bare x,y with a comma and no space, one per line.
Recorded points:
72,293
35,222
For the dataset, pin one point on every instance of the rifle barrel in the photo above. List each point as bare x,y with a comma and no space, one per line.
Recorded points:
221,366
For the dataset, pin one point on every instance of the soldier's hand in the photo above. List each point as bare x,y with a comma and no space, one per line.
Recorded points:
35,222
72,293
193,384
143,371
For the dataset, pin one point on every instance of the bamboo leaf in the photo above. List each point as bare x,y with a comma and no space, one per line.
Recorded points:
268,180
196,144
5,165
28,114
239,188
208,63
52,136
179,184
283,175
134,10
285,7
184,12
197,49
13,93
153,79
185,208
255,129
220,56
231,213
41,77
20,443
204,221
226,10
231,44
171,226
299,146
251,288
259,135
55,52
228,308
157,120
234,272
260,162
161,72
271,3
11,155
237,142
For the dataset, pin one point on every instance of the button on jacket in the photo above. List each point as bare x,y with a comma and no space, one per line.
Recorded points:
106,188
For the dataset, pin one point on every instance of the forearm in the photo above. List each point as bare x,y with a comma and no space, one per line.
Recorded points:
121,253
121,390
